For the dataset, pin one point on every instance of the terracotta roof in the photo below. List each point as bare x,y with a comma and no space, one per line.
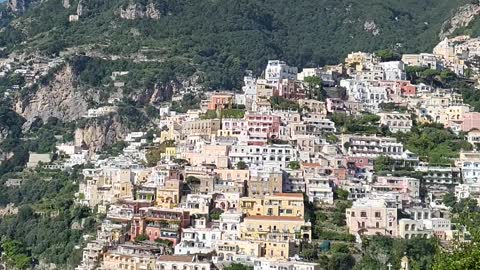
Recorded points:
171,258
274,218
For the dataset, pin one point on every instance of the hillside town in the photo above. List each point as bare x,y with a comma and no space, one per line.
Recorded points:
243,177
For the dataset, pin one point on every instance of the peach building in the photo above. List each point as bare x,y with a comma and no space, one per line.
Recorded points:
220,101
372,217
470,121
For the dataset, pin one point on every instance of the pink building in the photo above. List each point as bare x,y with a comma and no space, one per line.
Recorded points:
406,189
470,121
160,223
372,217
263,125
360,162
335,105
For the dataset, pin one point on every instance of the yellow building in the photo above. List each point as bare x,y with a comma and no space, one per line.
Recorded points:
280,204
170,153
280,249
271,228
169,195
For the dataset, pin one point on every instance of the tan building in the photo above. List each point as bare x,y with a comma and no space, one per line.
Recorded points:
265,184
280,204
314,106
131,257
169,195
270,228
200,127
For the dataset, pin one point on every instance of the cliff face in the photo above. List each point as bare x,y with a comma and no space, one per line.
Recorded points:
461,18
138,11
20,6
57,99
97,133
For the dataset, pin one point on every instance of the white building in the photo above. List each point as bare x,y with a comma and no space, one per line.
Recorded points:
269,264
278,70
394,70
319,189
198,241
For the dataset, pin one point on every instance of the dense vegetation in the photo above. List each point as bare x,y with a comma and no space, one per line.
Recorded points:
223,38
48,225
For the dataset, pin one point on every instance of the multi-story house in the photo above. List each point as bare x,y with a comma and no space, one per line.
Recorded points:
237,251
272,228
264,183
469,164
319,189
266,264
373,147
394,70
229,223
406,189
197,204
372,216
280,204
130,256
257,155
160,223
198,241
168,262
278,70
396,122
262,124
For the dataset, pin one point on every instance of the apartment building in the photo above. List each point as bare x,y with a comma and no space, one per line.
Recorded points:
279,204
372,216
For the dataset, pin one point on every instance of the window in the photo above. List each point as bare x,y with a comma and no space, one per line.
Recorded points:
353,214
377,214
363,214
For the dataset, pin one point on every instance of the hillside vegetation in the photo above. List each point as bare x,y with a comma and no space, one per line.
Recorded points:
222,38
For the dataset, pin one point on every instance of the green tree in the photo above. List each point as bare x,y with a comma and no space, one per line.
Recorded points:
241,165
341,194
215,214
141,238
294,165
314,87
238,266
16,255
152,112
383,163
388,55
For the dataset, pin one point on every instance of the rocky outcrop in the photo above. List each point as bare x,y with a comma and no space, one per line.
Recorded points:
59,98
138,11
99,132
20,6
461,18
160,92
80,8
371,27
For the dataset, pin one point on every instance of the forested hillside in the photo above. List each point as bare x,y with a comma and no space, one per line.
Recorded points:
224,37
